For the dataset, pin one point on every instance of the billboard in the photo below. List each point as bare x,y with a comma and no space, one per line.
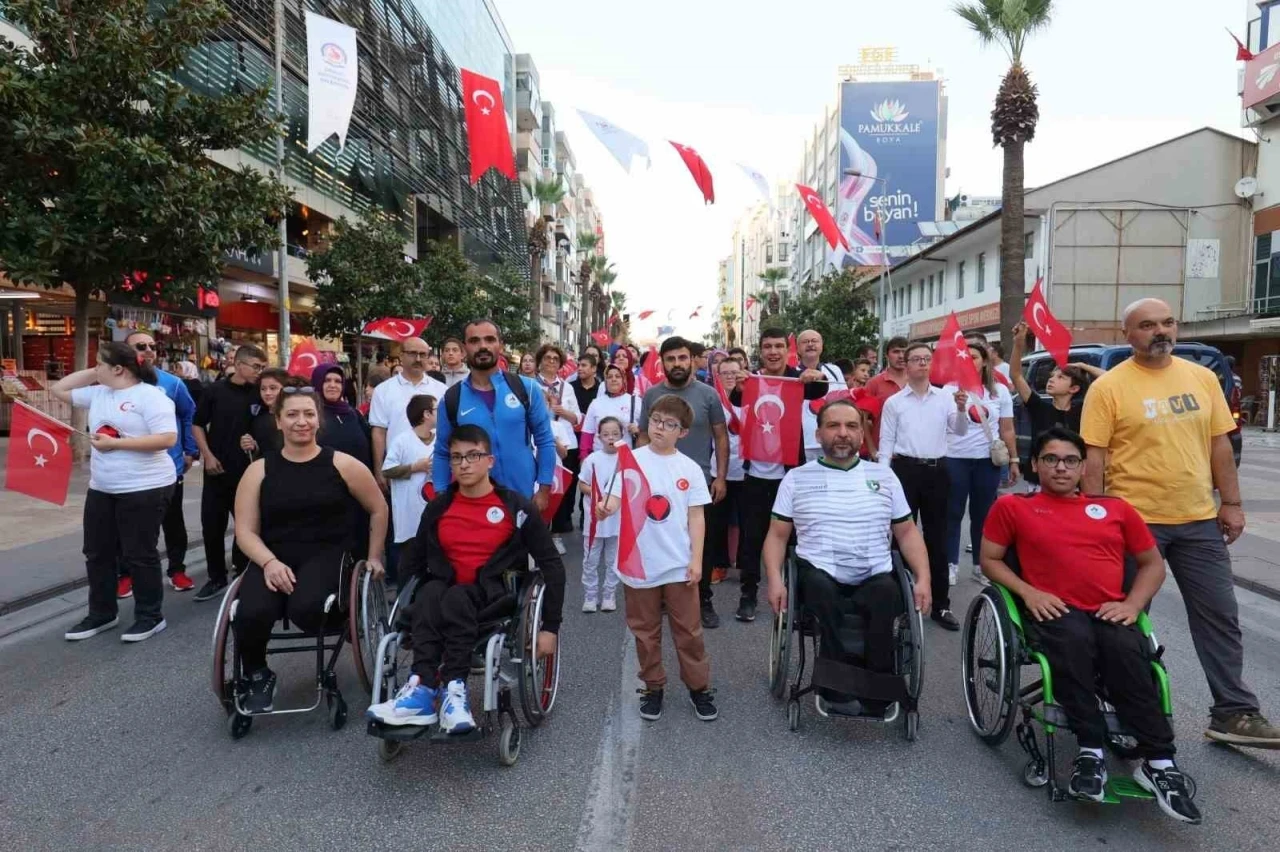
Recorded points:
888,131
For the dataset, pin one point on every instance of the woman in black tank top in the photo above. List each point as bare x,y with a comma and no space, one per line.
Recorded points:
293,521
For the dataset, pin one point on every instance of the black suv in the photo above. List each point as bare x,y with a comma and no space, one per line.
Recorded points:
1037,366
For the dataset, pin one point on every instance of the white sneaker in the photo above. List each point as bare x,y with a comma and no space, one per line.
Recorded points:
589,606
608,604
559,543
952,570
455,714
979,577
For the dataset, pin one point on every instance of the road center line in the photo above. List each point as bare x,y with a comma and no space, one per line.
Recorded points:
610,805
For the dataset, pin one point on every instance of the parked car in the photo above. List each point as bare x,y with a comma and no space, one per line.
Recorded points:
1037,366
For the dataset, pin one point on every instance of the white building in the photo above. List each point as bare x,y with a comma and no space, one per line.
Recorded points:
762,241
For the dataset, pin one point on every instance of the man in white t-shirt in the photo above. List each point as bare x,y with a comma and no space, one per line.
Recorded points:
843,511
408,468
809,346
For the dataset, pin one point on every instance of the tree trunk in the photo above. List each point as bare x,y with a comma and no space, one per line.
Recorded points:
535,293
584,313
360,382
1013,287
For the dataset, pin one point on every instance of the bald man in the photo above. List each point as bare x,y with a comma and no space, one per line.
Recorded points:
809,347
1156,427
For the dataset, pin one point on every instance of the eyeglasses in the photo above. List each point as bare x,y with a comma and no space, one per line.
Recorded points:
256,366
308,391
473,457
145,347
1069,462
920,360
665,425
417,354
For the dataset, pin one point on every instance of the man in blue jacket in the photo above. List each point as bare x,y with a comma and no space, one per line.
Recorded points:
183,453
486,399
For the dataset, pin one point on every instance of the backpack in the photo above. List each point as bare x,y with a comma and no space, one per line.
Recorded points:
454,394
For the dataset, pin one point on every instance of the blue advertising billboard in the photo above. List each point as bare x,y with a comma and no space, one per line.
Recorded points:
887,131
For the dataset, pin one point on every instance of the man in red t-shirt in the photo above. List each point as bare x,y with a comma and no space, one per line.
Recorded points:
469,537
1071,549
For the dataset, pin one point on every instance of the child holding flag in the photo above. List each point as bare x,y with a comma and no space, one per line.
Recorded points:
601,533
661,494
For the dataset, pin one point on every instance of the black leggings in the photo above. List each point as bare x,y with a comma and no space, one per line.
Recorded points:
318,575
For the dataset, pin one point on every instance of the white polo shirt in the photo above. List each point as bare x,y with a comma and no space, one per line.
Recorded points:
916,425
386,409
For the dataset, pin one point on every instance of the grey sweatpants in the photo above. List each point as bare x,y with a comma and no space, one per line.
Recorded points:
1201,566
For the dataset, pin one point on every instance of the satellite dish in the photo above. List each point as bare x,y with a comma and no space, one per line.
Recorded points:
1247,187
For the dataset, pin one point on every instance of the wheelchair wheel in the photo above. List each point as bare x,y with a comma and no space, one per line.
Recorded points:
224,650
793,714
1035,774
509,742
368,615
238,725
910,633
990,667
780,640
539,676
337,712
911,726
389,750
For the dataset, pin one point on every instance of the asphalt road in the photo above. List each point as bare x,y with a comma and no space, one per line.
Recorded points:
110,746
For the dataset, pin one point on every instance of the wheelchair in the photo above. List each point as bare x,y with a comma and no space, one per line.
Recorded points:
358,613
995,648
504,657
795,625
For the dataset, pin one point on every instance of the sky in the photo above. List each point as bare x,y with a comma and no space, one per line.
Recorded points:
745,82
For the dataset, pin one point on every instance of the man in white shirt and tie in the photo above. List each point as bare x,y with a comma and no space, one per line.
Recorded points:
913,441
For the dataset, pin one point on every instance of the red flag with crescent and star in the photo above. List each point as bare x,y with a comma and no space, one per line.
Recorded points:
39,461
601,337
698,168
1243,54
651,373
952,363
1045,326
559,488
635,499
822,215
771,419
306,357
735,424
398,329
488,142
569,367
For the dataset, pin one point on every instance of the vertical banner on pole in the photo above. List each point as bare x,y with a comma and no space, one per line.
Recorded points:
331,79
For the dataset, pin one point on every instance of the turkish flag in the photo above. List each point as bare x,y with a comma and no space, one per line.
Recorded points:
818,210
651,373
591,510
635,500
952,363
793,357
1046,327
1243,54
771,425
488,142
698,168
39,462
559,488
644,315
503,366
735,424
396,328
601,337
306,357
569,367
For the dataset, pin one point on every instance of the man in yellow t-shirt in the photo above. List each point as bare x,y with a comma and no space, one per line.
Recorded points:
1156,427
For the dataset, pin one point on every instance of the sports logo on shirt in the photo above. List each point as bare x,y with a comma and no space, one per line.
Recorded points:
127,406
873,485
1095,511
657,508
682,484
521,517
512,401
494,515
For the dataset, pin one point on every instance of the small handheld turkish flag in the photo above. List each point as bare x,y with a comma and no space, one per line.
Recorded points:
651,373
569,367
396,328
952,363
488,141
601,337
822,215
1048,330
635,498
39,462
735,425
698,168
591,510
559,488
793,357
306,357
771,427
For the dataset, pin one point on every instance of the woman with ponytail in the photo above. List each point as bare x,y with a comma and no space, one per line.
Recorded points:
132,425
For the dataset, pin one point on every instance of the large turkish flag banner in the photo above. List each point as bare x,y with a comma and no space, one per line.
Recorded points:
772,422
488,141
39,462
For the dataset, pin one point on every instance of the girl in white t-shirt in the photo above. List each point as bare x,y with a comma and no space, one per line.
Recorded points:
600,534
407,467
132,425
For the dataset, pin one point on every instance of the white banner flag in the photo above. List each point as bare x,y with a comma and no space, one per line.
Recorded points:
621,144
331,79
760,182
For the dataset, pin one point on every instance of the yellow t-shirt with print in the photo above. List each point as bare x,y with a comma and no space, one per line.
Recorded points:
1158,426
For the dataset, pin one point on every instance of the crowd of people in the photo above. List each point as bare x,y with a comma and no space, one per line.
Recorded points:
446,464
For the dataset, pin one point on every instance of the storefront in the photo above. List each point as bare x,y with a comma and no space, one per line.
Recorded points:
980,320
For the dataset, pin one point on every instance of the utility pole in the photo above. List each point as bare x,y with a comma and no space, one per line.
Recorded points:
282,254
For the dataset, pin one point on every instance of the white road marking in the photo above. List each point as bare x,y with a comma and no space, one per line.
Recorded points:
610,806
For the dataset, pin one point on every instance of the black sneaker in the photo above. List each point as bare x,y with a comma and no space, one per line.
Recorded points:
1088,777
1169,786
211,590
710,621
143,629
746,610
91,626
262,691
650,704
946,619
704,704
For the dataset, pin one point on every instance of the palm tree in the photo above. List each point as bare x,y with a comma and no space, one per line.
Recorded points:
771,277
547,193
729,321
617,302
586,247
1009,23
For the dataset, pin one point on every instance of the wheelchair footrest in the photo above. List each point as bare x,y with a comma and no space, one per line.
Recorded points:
1124,787
398,733
859,682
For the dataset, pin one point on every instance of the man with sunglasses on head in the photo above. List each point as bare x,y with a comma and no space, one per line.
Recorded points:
223,417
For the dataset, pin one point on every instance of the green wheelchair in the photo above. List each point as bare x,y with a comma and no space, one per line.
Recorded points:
995,649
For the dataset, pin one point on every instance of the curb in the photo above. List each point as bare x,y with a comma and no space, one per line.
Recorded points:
1257,588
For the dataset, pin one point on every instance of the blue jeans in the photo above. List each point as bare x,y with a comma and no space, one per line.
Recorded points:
974,481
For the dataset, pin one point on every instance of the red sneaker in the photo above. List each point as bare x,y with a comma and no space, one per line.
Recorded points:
124,587
181,582
718,575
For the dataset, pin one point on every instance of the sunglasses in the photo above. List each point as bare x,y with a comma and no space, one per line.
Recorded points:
145,347
307,391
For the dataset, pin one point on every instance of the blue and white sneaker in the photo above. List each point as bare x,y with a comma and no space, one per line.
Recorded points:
455,714
414,704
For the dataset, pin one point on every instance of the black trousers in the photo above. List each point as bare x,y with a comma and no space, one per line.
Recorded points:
446,628
175,535
926,488
878,600
217,502
563,520
715,547
318,575
124,527
755,510
1082,651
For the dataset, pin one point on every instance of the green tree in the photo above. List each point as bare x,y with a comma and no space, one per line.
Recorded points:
586,247
363,276
102,154
453,292
1009,23
834,307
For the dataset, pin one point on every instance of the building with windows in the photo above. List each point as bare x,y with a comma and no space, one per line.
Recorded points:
760,268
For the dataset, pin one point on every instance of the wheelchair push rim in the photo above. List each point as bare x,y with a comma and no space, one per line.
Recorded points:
224,647
539,676
367,621
990,668
780,639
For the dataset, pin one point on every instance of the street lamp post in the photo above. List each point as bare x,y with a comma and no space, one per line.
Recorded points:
282,256
886,275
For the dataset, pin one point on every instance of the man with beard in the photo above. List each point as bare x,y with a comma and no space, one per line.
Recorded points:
843,510
510,408
1156,427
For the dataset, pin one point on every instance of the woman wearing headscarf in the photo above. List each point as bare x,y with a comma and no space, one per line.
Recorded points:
341,426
